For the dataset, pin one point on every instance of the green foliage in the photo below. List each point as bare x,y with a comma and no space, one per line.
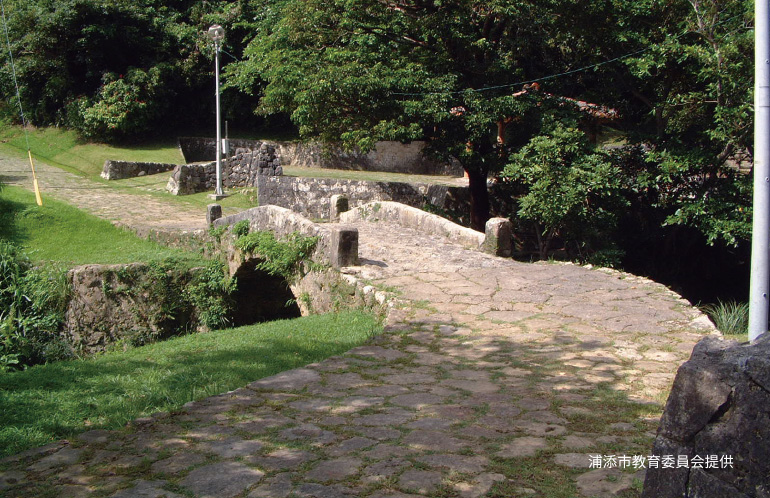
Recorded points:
125,106
730,318
279,257
70,55
217,232
241,228
210,293
33,301
571,189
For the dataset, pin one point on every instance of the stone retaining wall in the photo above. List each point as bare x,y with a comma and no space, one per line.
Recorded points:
311,196
239,170
387,156
113,303
118,170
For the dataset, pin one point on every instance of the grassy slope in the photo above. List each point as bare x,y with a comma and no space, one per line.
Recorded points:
54,401
59,232
63,149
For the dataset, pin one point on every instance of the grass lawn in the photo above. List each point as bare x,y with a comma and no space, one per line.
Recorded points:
60,232
238,199
63,149
54,401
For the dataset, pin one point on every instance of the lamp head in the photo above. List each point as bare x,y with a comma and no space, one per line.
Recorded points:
216,33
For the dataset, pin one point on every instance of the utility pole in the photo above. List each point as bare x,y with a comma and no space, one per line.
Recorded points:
760,232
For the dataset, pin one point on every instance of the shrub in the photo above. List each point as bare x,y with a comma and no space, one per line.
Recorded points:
210,293
730,318
33,301
283,257
571,190
241,228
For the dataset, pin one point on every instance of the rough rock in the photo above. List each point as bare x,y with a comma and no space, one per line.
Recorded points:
718,417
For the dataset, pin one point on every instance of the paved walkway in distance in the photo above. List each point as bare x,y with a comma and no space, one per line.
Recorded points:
493,378
134,209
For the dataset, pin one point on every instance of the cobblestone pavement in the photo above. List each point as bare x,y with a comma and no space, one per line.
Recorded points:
493,378
130,207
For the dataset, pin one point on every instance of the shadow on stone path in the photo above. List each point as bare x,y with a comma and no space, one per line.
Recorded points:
492,378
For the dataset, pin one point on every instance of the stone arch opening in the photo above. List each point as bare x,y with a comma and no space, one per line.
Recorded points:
262,297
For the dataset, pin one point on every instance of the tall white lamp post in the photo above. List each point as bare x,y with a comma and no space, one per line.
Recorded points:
760,235
217,35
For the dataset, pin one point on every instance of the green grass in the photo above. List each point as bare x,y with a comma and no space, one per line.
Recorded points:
238,198
62,148
58,400
371,176
731,318
59,232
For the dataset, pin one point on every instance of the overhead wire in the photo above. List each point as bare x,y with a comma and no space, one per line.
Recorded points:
556,75
35,184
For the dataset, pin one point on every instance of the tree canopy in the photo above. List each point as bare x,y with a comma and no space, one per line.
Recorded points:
460,74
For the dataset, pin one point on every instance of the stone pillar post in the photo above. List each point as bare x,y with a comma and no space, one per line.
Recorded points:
498,237
339,204
344,247
213,213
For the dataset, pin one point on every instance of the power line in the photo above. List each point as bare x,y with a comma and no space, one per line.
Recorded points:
13,72
557,75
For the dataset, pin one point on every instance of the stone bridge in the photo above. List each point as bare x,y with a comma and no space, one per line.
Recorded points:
492,378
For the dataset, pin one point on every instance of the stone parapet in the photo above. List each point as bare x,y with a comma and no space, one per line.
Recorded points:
283,222
411,217
118,170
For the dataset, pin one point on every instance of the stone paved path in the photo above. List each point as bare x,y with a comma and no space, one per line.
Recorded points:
130,207
493,378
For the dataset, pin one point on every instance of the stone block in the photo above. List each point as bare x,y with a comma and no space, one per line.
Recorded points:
719,407
339,204
213,213
344,247
498,237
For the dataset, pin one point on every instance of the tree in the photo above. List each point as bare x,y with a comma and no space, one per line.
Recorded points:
573,190
115,69
357,71
687,101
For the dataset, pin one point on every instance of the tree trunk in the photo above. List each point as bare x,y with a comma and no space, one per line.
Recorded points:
477,186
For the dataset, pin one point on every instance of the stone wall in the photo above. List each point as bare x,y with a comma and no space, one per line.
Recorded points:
113,303
199,149
282,222
411,217
387,156
118,170
392,157
239,170
311,196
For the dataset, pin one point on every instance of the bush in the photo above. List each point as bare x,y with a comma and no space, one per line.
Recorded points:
125,106
211,295
283,258
33,301
572,191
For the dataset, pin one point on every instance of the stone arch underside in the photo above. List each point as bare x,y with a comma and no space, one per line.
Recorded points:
261,297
